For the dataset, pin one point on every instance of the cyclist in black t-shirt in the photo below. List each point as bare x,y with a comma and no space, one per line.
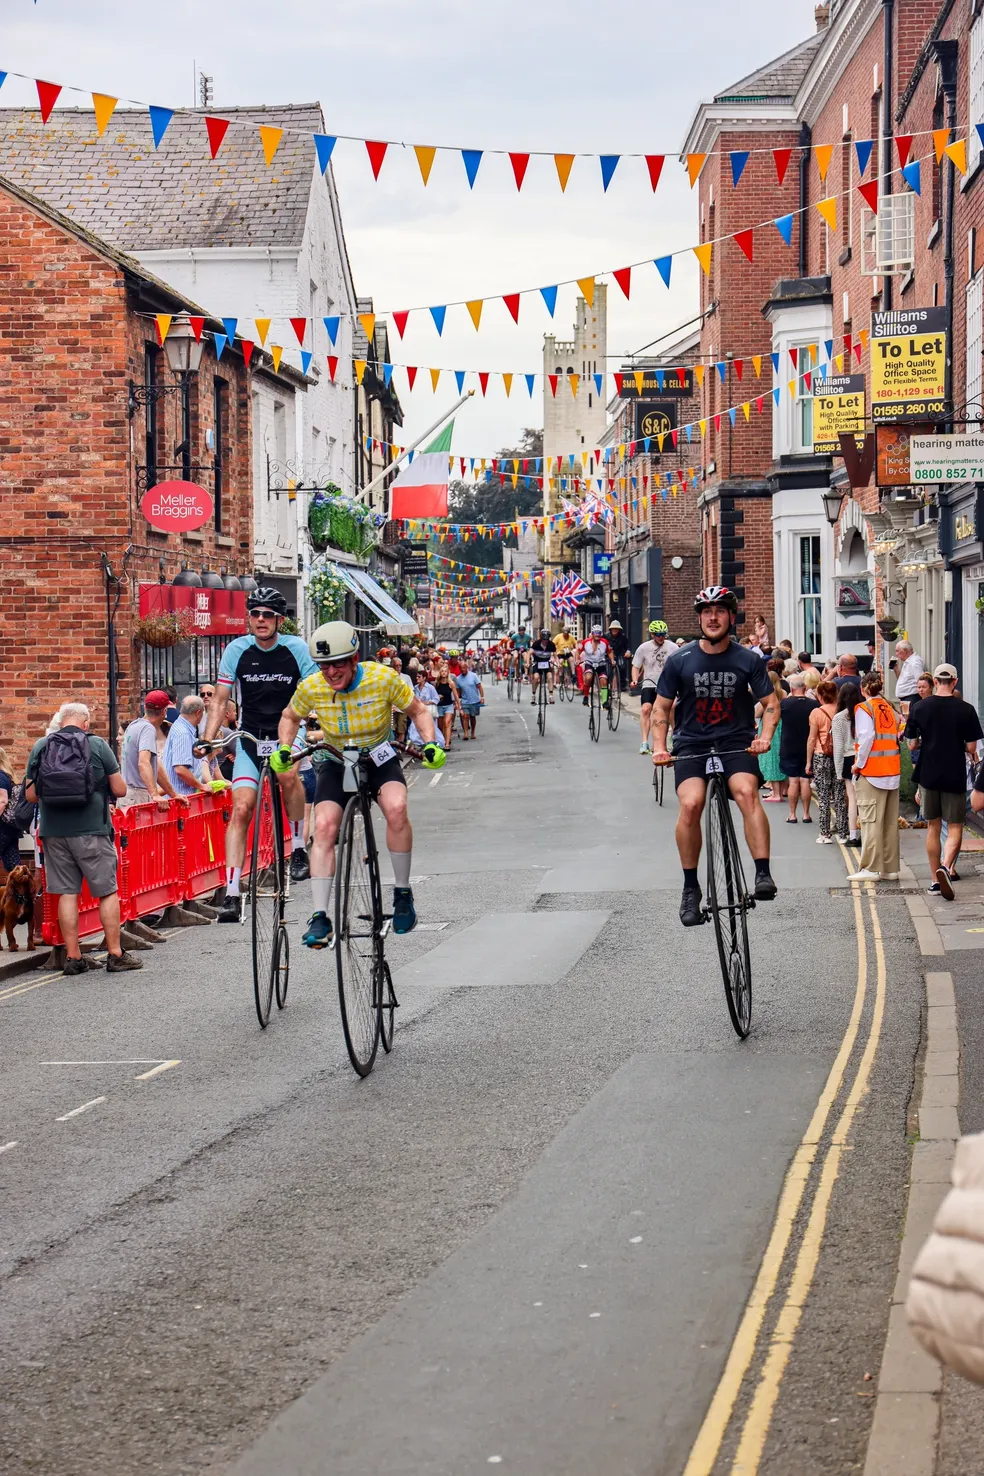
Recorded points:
715,684
543,663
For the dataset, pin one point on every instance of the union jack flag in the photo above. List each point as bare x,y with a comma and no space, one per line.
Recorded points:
567,594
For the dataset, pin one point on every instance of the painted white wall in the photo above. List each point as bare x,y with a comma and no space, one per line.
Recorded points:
275,519
792,327
798,513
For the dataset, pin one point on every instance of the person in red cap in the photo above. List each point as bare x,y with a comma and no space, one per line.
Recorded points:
146,783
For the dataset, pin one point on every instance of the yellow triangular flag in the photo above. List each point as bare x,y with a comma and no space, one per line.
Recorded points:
660,439
564,163
823,153
368,321
957,151
791,386
839,362
270,139
435,375
574,380
746,409
941,137
827,209
164,321
703,255
475,310
703,427
262,329
639,378
757,365
584,460
699,375
515,479
425,159
587,287
695,163
276,353
515,462
103,107
507,380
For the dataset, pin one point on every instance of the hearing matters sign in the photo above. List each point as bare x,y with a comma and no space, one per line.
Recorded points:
176,507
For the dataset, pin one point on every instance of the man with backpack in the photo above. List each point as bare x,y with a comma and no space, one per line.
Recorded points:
72,774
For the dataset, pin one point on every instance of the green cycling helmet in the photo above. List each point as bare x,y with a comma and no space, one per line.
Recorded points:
658,628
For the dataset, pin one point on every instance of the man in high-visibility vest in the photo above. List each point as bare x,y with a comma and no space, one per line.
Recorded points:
877,771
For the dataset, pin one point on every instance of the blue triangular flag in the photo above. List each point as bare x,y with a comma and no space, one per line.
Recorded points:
775,395
690,432
387,373
646,441
609,163
863,147
471,158
821,369
775,362
410,457
459,379
660,376
732,413
599,380
331,328
722,370
549,295
663,265
911,175
229,324
828,348
529,382
220,343
3,75
784,225
306,362
978,126
438,314
324,143
159,119
739,158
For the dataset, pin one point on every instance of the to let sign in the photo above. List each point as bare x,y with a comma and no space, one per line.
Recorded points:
838,407
908,364
176,507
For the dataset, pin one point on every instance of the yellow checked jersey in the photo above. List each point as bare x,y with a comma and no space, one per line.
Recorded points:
563,644
361,715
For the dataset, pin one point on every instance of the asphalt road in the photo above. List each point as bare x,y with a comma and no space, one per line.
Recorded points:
529,1238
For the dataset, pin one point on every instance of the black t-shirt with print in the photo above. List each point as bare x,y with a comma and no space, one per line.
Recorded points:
715,697
945,725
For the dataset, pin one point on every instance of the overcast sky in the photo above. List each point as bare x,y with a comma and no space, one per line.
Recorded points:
516,74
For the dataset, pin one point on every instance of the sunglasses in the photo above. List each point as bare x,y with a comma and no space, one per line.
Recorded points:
207,692
264,614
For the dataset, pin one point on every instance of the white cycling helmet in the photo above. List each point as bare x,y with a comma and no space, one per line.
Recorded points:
335,641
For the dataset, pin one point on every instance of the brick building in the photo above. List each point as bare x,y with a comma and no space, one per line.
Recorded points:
79,324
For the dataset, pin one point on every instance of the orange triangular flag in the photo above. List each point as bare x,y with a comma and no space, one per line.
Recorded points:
270,139
368,321
695,163
587,286
163,321
564,163
823,154
828,210
103,107
757,365
863,337
639,376
475,310
360,369
262,329
703,255
425,159
699,375
957,151
507,380
941,137
574,380
435,375
276,354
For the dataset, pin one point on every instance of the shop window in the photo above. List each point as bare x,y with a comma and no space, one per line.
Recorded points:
809,621
975,303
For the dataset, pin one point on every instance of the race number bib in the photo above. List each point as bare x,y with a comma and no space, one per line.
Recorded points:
266,747
714,765
382,754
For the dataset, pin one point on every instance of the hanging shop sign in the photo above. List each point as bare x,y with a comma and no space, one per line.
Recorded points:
415,562
176,507
601,563
640,384
654,418
214,612
947,458
908,364
892,456
838,409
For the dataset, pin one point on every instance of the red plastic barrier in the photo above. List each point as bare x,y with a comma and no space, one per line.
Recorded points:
88,916
149,841
202,825
266,837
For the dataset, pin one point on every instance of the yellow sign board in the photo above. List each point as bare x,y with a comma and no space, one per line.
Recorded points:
908,364
838,408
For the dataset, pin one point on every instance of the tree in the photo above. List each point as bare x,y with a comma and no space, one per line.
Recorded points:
493,501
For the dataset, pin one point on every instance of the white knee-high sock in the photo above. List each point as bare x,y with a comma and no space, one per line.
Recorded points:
401,867
321,892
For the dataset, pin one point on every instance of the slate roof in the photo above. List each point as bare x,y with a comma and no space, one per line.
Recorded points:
143,199
778,80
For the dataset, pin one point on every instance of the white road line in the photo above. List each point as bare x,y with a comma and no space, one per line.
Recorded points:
436,780
156,1071
138,1061
84,1108
6,1147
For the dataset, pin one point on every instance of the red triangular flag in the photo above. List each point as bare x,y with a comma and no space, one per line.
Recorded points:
782,158
869,194
808,381
794,354
197,324
377,153
47,97
553,378
624,278
332,366
673,438
743,239
512,303
903,143
739,367
717,422
519,163
857,352
655,165
759,403
411,374
618,384
299,325
400,322
483,379
247,344
216,133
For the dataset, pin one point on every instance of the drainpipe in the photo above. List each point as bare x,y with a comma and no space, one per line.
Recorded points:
806,143
888,19
946,53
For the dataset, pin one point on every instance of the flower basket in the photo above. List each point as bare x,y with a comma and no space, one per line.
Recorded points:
164,630
336,521
327,592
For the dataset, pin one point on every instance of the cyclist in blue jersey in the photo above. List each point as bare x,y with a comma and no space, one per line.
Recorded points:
261,672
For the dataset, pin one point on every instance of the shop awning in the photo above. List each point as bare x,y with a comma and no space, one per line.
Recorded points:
395,622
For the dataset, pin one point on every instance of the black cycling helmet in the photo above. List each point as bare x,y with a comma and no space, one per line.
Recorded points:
265,598
716,594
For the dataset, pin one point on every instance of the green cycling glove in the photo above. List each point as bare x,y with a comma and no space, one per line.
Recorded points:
281,761
434,756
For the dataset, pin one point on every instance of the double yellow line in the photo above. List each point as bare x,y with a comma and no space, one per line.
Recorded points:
758,1418
24,986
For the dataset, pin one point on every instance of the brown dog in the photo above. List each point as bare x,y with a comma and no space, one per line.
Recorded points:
17,905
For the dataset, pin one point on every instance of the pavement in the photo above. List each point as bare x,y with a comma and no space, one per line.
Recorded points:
570,1225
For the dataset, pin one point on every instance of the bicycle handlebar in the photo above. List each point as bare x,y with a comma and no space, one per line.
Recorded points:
714,753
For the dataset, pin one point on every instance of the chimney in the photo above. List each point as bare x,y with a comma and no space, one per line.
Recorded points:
822,16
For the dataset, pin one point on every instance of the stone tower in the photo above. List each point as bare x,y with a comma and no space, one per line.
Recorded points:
573,422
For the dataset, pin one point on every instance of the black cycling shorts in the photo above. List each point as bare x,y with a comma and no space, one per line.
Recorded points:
330,777
647,696
694,766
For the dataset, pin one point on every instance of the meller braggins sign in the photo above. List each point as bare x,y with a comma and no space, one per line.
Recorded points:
176,507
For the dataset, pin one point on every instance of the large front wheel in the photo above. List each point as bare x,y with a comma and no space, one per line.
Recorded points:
358,945
614,699
594,704
728,902
266,891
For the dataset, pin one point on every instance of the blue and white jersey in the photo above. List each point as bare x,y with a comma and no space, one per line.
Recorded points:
265,680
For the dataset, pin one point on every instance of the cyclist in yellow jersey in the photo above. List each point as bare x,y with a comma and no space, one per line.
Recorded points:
354,702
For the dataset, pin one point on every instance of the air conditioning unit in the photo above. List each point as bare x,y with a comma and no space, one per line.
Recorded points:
888,239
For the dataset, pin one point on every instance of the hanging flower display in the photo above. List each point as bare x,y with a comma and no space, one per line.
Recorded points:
165,629
327,591
337,521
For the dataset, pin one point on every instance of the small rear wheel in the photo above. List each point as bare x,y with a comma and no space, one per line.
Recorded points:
614,700
388,1004
282,966
659,780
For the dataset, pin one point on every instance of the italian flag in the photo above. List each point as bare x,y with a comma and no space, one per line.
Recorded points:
421,489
